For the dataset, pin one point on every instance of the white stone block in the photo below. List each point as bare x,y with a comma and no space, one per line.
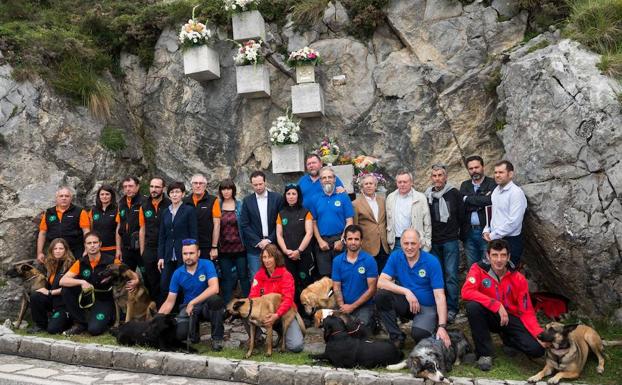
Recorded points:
305,74
288,158
201,63
248,25
307,100
253,81
345,172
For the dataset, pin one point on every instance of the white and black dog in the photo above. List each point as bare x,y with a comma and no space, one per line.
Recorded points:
430,359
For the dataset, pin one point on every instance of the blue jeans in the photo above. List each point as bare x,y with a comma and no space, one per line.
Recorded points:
253,259
448,254
516,248
397,245
227,263
475,246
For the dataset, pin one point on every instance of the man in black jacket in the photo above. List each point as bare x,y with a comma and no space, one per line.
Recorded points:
447,214
208,216
128,225
477,192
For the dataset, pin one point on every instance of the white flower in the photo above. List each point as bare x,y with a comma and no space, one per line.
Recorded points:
294,138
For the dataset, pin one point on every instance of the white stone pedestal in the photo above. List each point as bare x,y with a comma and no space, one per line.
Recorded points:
305,74
288,158
307,100
345,172
253,81
201,63
248,25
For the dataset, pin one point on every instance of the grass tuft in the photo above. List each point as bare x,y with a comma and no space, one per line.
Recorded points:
539,45
308,12
112,138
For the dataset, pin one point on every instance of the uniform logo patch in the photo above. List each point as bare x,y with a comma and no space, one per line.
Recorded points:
284,221
337,203
486,282
361,270
100,316
122,212
51,218
86,273
302,275
148,214
202,277
422,273
472,280
56,315
95,217
255,282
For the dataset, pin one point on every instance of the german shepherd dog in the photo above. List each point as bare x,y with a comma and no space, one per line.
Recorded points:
318,295
431,360
254,310
137,304
32,280
569,347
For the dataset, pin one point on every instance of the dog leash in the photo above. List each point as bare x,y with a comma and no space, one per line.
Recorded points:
358,327
92,293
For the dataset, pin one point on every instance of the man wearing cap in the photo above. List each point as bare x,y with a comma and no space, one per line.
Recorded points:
198,281
82,289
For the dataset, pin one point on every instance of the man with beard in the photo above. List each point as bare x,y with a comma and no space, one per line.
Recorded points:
128,227
355,274
332,213
149,220
477,192
310,184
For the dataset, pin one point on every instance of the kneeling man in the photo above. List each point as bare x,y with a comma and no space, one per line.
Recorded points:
420,295
198,280
497,299
354,275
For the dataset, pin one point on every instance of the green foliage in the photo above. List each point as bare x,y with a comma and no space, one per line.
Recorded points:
611,64
542,14
308,12
366,15
112,138
493,81
539,45
500,124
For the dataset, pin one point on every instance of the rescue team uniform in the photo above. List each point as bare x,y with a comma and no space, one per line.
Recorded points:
104,223
353,278
207,209
101,314
128,219
212,309
149,217
421,279
281,282
484,293
67,224
311,190
41,305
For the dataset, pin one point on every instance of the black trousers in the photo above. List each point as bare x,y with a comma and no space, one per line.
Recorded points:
391,305
514,334
381,259
131,258
49,313
98,318
151,274
324,258
302,271
212,310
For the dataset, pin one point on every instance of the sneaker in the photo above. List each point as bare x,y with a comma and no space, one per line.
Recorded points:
217,345
451,317
510,351
75,330
484,363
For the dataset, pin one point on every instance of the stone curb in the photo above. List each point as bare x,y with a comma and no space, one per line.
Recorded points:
205,367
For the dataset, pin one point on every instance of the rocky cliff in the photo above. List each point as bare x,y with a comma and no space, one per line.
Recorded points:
438,81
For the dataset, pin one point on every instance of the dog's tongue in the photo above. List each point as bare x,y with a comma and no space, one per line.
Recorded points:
104,280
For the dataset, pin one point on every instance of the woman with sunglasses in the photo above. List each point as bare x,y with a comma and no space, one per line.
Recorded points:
294,231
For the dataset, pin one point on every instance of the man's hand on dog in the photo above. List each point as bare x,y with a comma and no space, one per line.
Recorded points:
413,302
345,308
270,320
441,334
131,285
503,314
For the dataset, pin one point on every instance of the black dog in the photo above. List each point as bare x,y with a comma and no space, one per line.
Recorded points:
344,351
158,333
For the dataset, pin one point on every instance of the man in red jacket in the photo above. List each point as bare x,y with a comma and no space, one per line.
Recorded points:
497,300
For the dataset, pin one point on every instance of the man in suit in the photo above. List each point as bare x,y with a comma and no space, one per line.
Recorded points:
477,193
258,220
370,215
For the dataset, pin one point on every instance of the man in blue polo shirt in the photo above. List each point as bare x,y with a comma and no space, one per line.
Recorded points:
198,282
420,295
354,278
310,184
331,212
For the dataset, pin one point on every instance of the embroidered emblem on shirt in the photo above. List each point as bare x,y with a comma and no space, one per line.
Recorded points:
422,273
96,217
361,270
100,316
284,221
486,282
56,315
86,273
472,280
148,214
202,277
122,212
52,218
337,203
302,275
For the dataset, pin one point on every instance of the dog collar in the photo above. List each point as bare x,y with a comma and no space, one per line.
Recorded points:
250,309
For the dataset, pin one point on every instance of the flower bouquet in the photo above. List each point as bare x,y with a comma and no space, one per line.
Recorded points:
365,164
200,61
328,151
284,130
236,6
249,53
194,33
304,56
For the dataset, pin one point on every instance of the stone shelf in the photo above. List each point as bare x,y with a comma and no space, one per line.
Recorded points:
248,26
201,63
288,158
253,81
307,100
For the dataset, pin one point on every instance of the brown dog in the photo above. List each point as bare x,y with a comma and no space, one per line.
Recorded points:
32,280
569,347
318,295
137,304
255,311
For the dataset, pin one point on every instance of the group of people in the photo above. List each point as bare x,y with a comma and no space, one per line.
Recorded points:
392,258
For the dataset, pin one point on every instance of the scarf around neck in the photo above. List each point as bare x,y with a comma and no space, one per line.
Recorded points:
442,205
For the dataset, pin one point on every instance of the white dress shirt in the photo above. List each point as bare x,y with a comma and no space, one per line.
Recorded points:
403,207
373,204
262,203
508,208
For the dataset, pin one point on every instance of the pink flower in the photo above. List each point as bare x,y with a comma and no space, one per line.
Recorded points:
312,56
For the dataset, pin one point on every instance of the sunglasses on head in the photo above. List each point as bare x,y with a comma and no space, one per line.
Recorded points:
189,241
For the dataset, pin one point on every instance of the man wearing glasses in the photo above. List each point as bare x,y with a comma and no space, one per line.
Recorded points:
208,216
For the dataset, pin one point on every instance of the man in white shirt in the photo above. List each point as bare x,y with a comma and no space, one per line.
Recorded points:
508,209
407,208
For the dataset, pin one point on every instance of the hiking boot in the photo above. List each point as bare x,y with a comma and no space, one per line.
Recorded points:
217,345
451,317
484,363
510,351
75,330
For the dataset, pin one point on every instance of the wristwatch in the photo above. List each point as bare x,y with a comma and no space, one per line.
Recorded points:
444,326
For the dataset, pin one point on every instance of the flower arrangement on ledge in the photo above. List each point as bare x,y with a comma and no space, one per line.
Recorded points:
249,53
194,33
330,153
284,130
368,165
235,6
304,56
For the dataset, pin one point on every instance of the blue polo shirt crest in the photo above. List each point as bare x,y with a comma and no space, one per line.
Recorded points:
192,284
353,276
486,283
422,273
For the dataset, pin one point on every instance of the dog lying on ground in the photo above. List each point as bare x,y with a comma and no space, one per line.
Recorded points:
255,311
430,359
318,295
569,348
32,280
158,333
354,327
345,351
137,304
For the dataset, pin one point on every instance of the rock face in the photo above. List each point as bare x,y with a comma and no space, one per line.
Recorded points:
420,91
563,131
